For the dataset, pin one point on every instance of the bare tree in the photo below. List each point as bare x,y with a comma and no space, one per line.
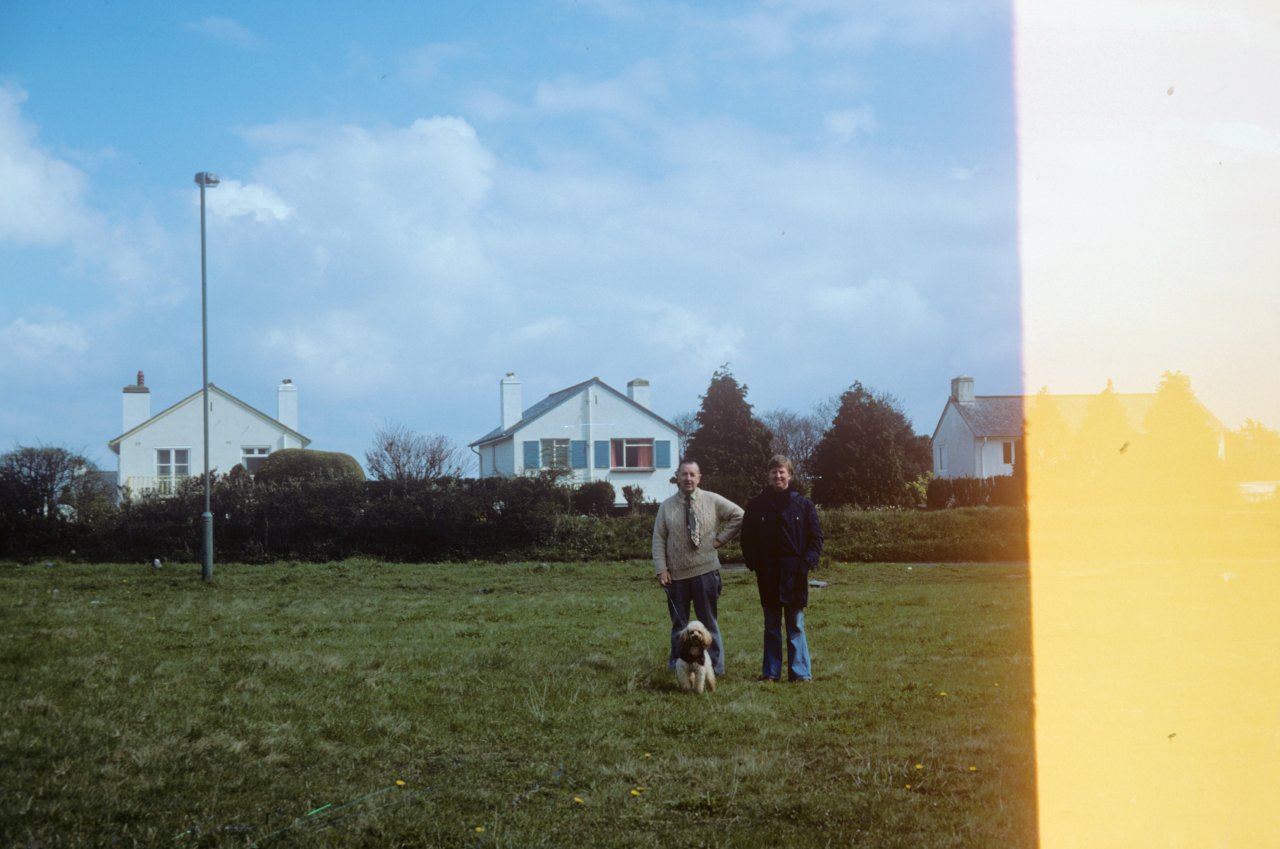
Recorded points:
402,455
825,412
796,435
688,423
37,481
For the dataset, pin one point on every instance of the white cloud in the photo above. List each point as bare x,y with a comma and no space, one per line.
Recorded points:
780,28
889,305
343,350
422,65
226,31
40,343
489,106
629,95
614,9
42,200
232,199
847,124
557,327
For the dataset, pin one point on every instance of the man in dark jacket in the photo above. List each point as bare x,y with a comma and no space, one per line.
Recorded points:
781,542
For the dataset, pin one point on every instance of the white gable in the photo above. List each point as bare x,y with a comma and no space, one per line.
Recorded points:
170,445
607,436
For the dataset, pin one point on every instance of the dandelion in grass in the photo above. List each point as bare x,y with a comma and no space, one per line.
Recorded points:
943,694
399,782
479,829
577,800
919,766
973,769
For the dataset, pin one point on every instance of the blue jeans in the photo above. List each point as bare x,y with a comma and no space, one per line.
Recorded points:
797,645
704,592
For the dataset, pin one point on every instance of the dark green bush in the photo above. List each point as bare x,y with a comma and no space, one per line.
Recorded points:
1001,491
914,536
305,464
594,498
503,519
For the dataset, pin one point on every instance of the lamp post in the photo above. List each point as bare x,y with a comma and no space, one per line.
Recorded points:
204,180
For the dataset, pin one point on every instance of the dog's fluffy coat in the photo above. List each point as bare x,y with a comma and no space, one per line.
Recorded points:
693,667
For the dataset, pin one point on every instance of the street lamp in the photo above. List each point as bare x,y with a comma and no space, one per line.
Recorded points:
205,179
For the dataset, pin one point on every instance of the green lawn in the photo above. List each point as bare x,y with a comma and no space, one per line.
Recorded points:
521,705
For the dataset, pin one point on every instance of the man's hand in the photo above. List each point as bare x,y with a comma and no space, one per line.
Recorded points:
716,544
664,578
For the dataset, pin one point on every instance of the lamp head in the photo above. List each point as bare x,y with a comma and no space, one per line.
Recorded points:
206,178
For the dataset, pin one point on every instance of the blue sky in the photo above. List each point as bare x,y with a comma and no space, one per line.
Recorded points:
420,197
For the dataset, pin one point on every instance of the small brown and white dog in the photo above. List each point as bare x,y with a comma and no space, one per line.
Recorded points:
693,666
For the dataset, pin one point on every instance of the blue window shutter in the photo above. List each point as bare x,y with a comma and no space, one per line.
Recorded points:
531,454
662,453
578,454
602,453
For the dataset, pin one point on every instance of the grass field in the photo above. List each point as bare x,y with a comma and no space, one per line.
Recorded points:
517,705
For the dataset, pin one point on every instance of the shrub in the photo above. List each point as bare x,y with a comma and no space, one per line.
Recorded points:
914,536
1000,491
594,498
303,464
634,496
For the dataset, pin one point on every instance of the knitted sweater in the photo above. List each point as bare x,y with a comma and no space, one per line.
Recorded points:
719,519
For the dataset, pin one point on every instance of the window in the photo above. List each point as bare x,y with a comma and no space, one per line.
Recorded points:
172,465
555,454
251,457
631,453
1008,452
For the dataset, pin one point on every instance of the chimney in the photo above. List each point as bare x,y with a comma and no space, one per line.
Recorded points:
638,391
137,404
510,400
962,390
287,404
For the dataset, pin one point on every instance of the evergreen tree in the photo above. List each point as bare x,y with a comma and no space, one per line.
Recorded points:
869,456
1100,455
1181,447
730,445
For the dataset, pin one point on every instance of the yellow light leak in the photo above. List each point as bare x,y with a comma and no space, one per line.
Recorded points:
1154,585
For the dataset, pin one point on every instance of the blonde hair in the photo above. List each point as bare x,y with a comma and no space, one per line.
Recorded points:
781,461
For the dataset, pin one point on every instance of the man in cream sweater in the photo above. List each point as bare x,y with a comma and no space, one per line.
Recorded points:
689,528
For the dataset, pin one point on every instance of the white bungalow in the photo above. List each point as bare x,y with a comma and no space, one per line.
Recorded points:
157,452
980,436
590,429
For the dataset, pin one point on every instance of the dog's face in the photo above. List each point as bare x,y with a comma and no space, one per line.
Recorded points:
695,634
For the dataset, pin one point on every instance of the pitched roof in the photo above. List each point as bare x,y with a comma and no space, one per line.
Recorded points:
993,415
114,444
1005,415
555,399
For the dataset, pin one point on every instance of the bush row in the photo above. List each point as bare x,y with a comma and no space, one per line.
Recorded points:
500,519
1001,491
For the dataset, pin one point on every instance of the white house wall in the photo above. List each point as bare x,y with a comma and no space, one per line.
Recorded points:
597,414
232,427
954,452
497,458
989,454
957,453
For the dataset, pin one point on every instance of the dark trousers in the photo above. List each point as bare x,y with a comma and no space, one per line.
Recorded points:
703,591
